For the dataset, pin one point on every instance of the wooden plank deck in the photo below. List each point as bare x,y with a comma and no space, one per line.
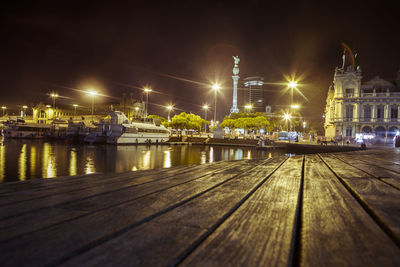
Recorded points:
336,209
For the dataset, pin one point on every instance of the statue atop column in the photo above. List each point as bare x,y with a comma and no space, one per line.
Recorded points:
235,78
235,70
236,59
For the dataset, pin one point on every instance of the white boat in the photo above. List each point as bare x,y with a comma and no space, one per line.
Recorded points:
26,130
120,130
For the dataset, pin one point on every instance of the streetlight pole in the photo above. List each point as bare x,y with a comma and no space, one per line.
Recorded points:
169,112
54,96
4,109
205,107
147,91
24,107
215,87
75,105
93,94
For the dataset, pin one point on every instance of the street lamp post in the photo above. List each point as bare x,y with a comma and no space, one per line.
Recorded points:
93,94
75,105
169,112
205,107
288,117
215,87
147,91
24,107
54,96
4,109
292,85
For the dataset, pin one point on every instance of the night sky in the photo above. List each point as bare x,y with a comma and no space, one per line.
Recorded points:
179,47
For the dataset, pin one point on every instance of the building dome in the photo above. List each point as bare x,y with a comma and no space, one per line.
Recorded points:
377,82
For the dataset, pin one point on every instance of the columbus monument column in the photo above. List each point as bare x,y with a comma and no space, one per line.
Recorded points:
235,78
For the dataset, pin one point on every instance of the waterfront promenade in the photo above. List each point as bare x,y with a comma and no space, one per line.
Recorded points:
336,209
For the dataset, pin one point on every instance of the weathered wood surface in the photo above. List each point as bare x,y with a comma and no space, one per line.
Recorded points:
336,209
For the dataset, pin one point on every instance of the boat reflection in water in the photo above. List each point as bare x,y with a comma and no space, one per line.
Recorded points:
30,159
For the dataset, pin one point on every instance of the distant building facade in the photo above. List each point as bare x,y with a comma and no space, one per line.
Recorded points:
253,93
355,109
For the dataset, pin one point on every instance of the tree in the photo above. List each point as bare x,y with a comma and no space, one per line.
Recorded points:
159,118
186,121
247,121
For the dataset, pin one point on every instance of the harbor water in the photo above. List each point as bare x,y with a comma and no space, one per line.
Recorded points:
30,159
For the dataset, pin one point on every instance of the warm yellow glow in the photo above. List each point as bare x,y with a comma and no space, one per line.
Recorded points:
2,162
287,116
75,105
89,167
73,163
203,157
216,87
211,157
92,93
3,107
248,154
136,108
292,84
146,160
205,107
148,90
54,95
33,161
167,159
248,107
49,168
22,163
24,106
48,106
295,106
170,107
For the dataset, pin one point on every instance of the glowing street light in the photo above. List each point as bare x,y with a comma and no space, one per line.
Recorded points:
4,109
248,107
169,108
288,117
216,88
295,106
147,91
93,94
292,85
75,106
54,96
24,107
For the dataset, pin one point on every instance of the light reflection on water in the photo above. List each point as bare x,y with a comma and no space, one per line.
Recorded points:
28,159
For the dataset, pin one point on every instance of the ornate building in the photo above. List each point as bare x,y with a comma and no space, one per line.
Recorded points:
356,110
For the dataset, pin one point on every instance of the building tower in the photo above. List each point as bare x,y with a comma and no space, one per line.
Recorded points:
235,78
254,92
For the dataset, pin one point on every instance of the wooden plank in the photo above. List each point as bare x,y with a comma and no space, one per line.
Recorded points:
44,187
372,169
202,215
67,195
44,218
261,231
63,241
336,230
381,200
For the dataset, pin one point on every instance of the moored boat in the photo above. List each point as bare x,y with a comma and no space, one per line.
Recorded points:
120,130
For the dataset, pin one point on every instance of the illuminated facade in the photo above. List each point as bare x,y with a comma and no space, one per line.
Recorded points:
253,93
355,109
46,114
